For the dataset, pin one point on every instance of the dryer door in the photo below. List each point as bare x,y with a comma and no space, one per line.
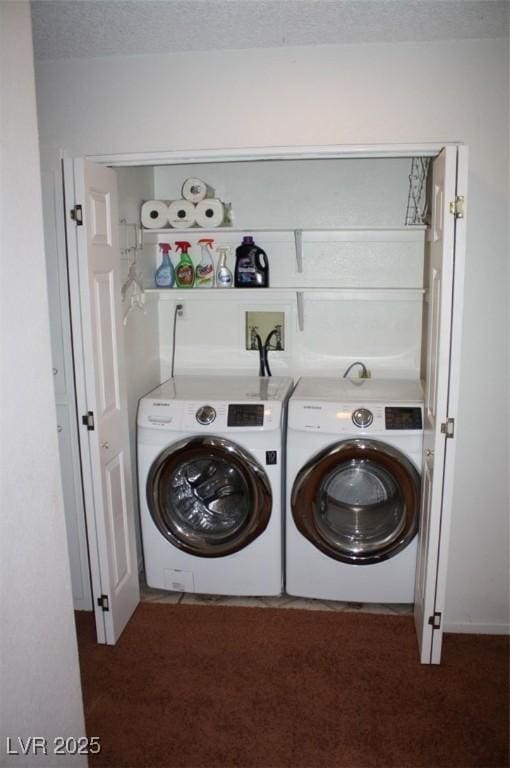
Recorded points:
357,501
208,496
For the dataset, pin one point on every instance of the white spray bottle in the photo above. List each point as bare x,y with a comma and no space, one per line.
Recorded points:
224,277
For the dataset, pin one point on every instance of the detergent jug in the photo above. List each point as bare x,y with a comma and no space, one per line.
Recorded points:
252,266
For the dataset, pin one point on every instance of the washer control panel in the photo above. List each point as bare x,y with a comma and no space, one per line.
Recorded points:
362,418
245,415
205,414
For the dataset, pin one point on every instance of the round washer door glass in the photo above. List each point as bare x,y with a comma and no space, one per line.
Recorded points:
358,501
208,496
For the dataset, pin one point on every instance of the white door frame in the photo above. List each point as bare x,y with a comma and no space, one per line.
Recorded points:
297,152
306,152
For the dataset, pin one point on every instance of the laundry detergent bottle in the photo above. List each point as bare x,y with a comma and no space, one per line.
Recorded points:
224,277
252,266
165,274
204,272
184,271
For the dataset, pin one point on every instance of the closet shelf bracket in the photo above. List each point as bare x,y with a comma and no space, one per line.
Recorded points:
300,310
298,239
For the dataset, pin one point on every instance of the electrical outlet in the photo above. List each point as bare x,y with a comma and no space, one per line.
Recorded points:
264,323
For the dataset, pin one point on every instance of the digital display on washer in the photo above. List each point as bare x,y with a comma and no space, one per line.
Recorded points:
248,415
398,417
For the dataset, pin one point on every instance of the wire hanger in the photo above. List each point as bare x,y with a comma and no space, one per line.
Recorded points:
132,291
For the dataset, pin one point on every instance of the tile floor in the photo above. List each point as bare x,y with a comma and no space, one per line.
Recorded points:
283,601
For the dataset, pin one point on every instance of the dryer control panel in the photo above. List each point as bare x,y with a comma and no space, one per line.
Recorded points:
353,419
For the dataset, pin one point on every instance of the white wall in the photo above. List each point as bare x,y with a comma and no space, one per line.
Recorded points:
351,94
286,194
39,682
338,327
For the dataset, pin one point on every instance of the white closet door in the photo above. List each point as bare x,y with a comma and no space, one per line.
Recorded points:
94,268
444,278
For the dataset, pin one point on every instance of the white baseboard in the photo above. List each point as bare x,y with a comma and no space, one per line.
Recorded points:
478,629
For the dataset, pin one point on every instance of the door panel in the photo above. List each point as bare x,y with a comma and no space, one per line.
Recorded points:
433,344
443,261
99,358
421,573
107,374
117,514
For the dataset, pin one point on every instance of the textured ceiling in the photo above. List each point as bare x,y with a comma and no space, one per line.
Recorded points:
85,28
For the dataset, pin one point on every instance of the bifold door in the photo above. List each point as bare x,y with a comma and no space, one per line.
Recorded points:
94,275
443,315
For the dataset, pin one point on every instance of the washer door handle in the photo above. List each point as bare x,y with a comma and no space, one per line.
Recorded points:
105,445
429,452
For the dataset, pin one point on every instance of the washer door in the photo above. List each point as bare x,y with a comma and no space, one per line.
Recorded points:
208,496
358,501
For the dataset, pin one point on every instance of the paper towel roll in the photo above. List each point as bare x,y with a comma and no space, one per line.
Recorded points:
154,214
196,190
181,213
210,213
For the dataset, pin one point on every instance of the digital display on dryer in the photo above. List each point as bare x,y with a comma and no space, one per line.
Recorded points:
245,415
399,417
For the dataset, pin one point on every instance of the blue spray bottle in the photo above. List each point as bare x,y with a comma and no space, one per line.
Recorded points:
165,274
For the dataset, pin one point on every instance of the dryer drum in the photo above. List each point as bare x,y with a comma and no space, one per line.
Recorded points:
358,501
208,496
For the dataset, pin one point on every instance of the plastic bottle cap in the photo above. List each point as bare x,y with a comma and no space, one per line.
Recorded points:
207,240
165,247
182,244
247,240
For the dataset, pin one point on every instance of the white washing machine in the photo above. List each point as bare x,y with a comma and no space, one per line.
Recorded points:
354,451
211,473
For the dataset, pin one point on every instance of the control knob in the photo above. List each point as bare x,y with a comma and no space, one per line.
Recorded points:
205,414
362,417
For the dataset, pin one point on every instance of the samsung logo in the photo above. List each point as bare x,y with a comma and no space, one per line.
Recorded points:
161,405
313,407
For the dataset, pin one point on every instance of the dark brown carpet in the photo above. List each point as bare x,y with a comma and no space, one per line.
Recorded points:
210,687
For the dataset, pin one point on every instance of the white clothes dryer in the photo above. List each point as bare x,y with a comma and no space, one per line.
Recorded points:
210,469
354,450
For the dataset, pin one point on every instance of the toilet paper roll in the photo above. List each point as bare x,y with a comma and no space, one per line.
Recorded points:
181,213
196,190
154,214
210,213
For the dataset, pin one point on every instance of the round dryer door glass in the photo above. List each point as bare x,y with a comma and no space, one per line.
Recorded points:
358,501
360,507
208,496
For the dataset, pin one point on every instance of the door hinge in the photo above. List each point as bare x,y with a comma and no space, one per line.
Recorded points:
448,427
103,602
457,207
77,215
88,421
435,620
